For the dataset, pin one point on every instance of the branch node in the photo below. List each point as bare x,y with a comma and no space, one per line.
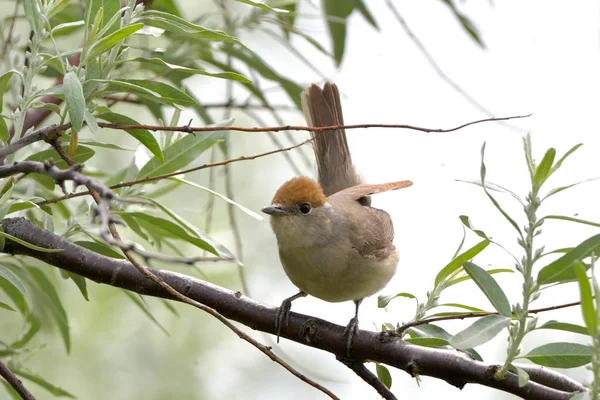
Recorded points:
309,330
412,368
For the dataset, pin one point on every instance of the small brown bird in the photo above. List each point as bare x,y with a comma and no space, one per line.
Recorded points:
332,244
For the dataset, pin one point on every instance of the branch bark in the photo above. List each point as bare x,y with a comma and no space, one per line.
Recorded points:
452,366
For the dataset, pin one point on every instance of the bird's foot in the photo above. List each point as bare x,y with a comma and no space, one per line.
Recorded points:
282,316
350,331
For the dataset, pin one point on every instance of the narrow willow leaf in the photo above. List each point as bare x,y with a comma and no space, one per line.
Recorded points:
587,300
489,271
53,304
4,133
4,79
162,67
142,135
74,99
171,98
571,219
113,39
383,374
555,269
263,6
481,331
29,245
165,91
427,341
496,188
463,306
565,326
83,154
81,284
560,355
458,261
563,158
434,331
222,197
40,381
560,189
489,287
336,13
138,300
6,307
99,248
360,6
33,325
492,199
21,292
466,23
543,170
522,375
67,25
180,154
383,301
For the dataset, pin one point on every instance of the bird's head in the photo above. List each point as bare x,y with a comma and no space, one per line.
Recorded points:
299,210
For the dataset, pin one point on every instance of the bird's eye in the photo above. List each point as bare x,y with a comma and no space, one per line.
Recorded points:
305,208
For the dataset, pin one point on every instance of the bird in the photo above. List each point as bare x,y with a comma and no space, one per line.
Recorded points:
332,244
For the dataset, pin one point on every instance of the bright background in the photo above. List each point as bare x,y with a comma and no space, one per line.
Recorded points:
542,57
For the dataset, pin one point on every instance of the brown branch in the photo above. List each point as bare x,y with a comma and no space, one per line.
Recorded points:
363,372
449,365
412,324
48,133
185,171
15,382
189,129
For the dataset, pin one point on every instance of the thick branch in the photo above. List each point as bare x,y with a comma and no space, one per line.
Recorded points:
452,366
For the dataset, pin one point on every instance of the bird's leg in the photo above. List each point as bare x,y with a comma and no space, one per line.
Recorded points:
283,312
352,328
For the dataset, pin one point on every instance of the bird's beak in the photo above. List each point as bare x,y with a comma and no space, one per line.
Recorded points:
274,211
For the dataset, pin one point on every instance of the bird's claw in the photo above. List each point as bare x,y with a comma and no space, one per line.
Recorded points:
350,331
282,316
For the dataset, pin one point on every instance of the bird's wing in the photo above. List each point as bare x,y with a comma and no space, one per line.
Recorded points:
366,189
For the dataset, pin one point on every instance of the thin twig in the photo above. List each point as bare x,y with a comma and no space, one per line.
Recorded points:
15,382
367,376
48,133
189,129
160,177
477,315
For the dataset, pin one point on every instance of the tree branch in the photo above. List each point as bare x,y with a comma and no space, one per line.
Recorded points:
361,370
449,365
15,382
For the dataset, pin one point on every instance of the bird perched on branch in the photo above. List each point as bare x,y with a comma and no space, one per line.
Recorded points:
332,244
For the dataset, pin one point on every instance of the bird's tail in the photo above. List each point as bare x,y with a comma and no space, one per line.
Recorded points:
322,107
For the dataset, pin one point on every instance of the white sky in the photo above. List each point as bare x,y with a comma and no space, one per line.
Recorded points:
542,57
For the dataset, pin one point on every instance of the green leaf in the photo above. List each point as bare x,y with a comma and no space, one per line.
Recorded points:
14,289
489,271
493,200
560,189
179,26
110,10
489,287
563,158
458,261
463,306
112,40
360,6
74,99
522,375
4,134
4,79
40,381
180,154
151,90
219,195
138,300
384,375
587,300
99,248
80,282
337,13
82,155
162,67
6,307
427,341
142,135
262,6
560,355
383,301
33,14
564,326
434,331
551,272
169,229
53,303
542,172
34,324
29,245
466,23
570,219
481,331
